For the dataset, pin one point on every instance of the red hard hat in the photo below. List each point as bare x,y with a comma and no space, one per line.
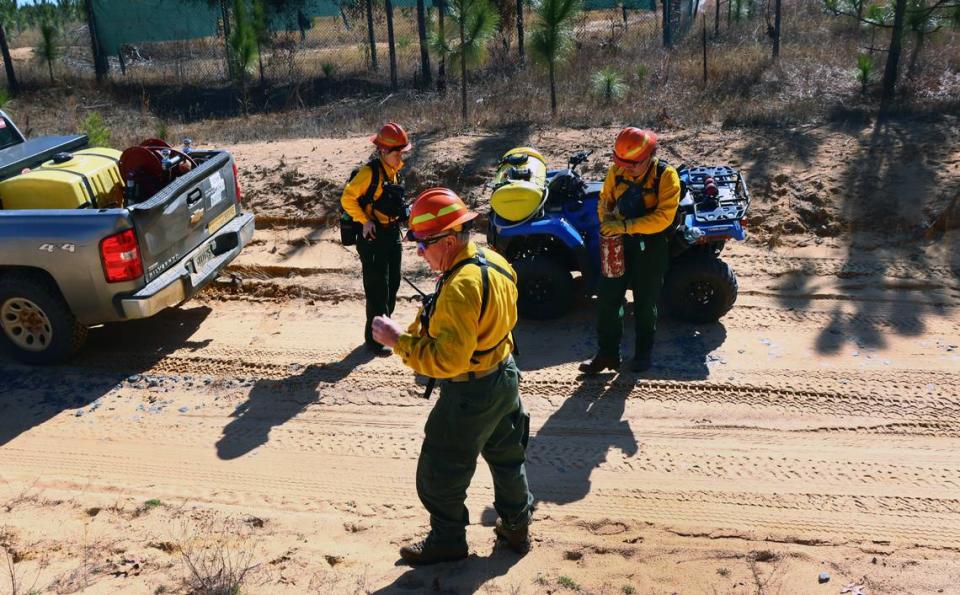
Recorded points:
633,146
436,210
392,136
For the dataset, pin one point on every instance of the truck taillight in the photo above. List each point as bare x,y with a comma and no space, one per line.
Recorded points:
121,257
236,181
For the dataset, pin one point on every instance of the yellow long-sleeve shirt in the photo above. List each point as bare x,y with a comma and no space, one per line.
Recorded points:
456,329
357,187
664,202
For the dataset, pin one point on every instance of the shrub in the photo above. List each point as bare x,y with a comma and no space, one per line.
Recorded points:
864,70
161,130
96,130
641,73
608,85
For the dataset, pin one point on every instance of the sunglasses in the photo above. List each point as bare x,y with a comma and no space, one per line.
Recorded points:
422,244
632,162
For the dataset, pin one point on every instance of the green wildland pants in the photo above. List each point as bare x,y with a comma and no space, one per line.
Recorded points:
380,259
478,417
647,258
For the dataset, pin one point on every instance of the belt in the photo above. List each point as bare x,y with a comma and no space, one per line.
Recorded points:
467,376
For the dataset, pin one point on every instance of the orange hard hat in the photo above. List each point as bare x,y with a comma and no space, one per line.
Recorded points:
436,210
392,136
634,146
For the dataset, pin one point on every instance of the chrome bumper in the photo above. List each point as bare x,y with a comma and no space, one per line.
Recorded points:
179,283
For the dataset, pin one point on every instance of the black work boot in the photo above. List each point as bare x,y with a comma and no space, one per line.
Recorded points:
641,363
518,539
428,551
599,364
376,348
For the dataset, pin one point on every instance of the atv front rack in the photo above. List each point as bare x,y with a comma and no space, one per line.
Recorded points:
711,218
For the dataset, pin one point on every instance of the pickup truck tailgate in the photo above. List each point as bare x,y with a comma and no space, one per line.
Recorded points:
185,213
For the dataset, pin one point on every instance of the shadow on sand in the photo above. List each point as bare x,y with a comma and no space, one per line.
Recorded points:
273,403
114,354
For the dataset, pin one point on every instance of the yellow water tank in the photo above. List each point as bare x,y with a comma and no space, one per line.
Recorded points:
87,178
520,184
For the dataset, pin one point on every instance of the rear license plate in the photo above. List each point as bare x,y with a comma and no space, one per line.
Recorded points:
200,260
221,220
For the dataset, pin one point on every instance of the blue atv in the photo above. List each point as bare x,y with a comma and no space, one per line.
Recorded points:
563,236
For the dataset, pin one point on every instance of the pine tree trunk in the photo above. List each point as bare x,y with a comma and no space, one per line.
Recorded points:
442,66
667,41
371,38
553,90
520,31
776,32
463,70
893,57
716,22
50,68
391,46
425,73
260,58
705,48
243,90
225,13
12,83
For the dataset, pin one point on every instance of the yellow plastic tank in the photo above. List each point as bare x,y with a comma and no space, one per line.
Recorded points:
520,184
87,178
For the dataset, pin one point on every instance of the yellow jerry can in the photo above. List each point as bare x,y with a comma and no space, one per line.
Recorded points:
84,179
520,184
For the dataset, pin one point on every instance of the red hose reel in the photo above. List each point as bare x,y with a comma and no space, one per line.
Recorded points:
149,167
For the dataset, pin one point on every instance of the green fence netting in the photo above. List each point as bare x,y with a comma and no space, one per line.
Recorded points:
125,22
122,22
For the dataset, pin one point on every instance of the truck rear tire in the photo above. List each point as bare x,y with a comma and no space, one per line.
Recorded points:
699,289
545,287
36,324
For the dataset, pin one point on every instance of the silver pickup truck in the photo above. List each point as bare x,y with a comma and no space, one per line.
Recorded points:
64,270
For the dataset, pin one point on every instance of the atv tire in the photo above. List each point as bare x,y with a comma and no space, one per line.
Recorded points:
36,324
545,287
699,289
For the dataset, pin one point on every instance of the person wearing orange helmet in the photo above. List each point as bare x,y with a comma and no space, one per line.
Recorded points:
463,337
374,198
638,201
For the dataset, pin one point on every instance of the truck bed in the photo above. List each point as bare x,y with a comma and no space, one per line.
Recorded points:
184,233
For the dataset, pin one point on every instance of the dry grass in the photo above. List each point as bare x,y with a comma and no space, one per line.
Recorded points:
12,573
814,78
28,495
217,556
92,555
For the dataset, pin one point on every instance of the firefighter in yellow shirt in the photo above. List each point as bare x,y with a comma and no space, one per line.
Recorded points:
374,198
463,337
638,201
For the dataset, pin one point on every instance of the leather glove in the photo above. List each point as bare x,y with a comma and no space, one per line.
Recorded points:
613,227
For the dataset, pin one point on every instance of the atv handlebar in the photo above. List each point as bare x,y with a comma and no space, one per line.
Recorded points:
579,157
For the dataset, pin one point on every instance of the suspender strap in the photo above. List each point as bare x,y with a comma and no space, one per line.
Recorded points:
481,261
660,168
367,198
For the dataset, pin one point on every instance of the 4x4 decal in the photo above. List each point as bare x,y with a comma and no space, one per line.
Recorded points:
51,247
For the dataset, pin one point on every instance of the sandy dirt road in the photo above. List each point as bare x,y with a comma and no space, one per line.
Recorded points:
815,429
